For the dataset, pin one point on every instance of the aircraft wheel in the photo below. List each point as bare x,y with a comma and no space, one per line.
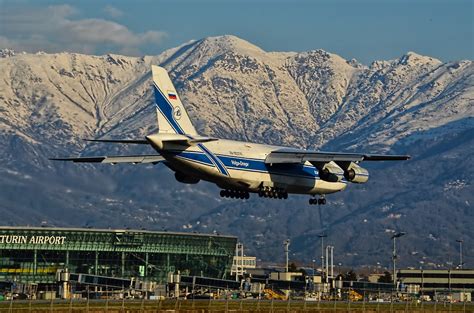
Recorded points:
311,201
260,193
285,195
323,201
247,195
222,193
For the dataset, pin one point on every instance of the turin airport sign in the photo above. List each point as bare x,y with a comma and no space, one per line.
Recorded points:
35,240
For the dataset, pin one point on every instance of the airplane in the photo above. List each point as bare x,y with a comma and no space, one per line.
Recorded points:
238,168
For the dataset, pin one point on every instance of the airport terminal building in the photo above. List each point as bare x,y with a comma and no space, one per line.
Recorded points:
33,255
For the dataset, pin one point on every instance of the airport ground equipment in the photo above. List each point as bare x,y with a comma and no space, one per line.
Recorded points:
271,294
354,295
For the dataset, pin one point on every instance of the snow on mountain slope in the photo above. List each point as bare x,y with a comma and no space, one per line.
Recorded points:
233,89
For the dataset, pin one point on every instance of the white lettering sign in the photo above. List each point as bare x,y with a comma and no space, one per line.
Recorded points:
239,163
32,240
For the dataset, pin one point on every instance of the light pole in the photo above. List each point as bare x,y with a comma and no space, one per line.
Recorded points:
239,261
329,256
286,243
394,255
322,236
460,253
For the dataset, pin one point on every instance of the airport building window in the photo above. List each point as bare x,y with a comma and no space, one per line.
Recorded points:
36,254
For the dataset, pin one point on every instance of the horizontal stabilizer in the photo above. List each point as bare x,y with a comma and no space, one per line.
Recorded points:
192,140
135,159
178,139
129,141
300,156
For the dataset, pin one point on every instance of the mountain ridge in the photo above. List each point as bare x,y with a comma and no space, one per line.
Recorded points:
414,104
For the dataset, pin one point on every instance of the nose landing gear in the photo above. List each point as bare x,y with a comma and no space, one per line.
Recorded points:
320,201
275,193
239,194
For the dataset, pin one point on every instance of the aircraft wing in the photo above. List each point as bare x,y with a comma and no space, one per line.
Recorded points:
130,141
180,139
301,156
135,159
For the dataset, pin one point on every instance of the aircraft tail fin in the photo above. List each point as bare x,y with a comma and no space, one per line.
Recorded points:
171,114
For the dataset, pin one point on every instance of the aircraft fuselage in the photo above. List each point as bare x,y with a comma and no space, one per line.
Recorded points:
241,165
238,168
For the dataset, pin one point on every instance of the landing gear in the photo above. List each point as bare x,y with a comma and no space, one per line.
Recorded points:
320,201
275,193
231,193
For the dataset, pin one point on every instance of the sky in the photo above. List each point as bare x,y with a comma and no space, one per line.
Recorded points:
365,30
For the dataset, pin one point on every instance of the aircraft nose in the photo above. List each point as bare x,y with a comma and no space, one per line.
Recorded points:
339,186
329,187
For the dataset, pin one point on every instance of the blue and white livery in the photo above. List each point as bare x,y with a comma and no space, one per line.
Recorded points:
238,168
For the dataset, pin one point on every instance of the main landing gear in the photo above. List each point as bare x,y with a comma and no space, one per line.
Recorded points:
320,201
276,193
239,194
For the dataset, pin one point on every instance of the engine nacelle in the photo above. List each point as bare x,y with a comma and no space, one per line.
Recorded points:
354,173
330,171
183,178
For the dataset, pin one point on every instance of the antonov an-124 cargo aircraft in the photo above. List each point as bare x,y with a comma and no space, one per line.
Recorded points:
238,168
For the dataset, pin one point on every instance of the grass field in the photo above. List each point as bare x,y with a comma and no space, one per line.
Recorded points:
223,306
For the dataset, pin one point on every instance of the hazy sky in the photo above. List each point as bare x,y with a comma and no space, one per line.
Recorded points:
366,30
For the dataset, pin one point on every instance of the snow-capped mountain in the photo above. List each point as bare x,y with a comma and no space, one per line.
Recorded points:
233,89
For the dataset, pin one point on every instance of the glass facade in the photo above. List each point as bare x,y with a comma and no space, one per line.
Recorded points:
452,279
33,255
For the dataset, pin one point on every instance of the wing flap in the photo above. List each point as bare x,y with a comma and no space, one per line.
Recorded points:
135,159
379,157
126,141
296,156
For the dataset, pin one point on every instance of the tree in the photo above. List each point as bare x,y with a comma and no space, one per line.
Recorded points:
292,267
303,271
386,278
350,276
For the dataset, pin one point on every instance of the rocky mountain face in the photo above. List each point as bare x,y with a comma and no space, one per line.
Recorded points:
233,89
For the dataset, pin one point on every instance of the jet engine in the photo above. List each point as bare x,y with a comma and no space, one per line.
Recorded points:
183,178
354,173
330,171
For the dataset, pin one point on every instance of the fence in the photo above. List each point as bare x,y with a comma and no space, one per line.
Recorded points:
228,306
